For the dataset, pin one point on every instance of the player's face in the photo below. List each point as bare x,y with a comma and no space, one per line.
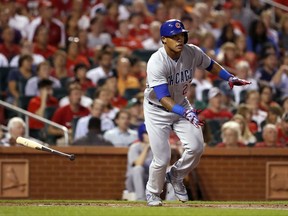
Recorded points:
175,43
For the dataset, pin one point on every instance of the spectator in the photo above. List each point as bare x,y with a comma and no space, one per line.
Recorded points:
243,71
64,115
247,137
269,135
56,36
266,98
135,108
74,56
59,70
93,137
247,112
228,56
5,18
123,41
16,127
252,100
126,80
122,135
242,14
274,115
43,72
153,42
106,95
103,70
38,104
227,35
266,71
138,29
41,45
80,71
8,48
97,37
243,54
18,77
231,135
85,101
208,44
110,22
257,37
96,111
283,130
214,109
138,162
27,49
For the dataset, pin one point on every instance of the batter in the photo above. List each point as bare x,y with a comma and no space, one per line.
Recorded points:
170,71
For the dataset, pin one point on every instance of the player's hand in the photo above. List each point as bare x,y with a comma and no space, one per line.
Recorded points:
237,82
192,116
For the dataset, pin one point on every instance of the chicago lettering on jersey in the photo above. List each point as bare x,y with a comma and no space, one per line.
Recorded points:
180,77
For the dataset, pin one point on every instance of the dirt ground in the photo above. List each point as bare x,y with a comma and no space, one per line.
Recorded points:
140,204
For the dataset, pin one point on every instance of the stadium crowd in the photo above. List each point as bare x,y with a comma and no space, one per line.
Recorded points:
80,60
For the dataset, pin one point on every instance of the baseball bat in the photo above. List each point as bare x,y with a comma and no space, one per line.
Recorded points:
32,144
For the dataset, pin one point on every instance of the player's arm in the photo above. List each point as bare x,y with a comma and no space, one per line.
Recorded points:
163,95
221,72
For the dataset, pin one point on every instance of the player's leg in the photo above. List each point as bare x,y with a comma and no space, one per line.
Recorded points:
193,145
192,141
158,127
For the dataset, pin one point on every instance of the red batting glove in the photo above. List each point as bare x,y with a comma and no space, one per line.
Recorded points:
237,82
192,116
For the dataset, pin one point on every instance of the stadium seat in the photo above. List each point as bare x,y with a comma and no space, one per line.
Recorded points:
60,93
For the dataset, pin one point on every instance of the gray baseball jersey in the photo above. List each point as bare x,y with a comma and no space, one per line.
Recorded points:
161,69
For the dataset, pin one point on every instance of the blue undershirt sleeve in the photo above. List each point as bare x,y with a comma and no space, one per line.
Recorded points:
161,91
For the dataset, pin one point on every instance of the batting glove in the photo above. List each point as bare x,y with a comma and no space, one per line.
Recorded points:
237,82
192,116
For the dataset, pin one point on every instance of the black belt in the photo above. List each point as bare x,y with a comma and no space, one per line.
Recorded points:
158,106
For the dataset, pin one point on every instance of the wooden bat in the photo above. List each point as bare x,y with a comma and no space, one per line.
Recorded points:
32,144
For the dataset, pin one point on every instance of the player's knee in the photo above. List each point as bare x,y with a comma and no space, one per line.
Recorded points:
196,149
163,163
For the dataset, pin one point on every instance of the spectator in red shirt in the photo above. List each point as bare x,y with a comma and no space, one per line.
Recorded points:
111,18
41,45
123,40
38,104
269,135
8,48
283,130
64,115
56,36
73,55
214,111
138,29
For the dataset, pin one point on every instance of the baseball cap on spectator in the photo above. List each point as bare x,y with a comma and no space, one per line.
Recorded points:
213,92
141,131
133,102
46,3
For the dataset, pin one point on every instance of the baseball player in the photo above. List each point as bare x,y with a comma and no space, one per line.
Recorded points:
169,74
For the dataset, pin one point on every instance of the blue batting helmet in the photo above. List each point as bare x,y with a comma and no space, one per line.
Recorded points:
173,27
141,131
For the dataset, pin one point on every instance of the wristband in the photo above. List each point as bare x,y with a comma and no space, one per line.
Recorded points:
225,75
178,109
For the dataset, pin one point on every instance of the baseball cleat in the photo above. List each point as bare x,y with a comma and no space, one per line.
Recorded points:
179,188
153,199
